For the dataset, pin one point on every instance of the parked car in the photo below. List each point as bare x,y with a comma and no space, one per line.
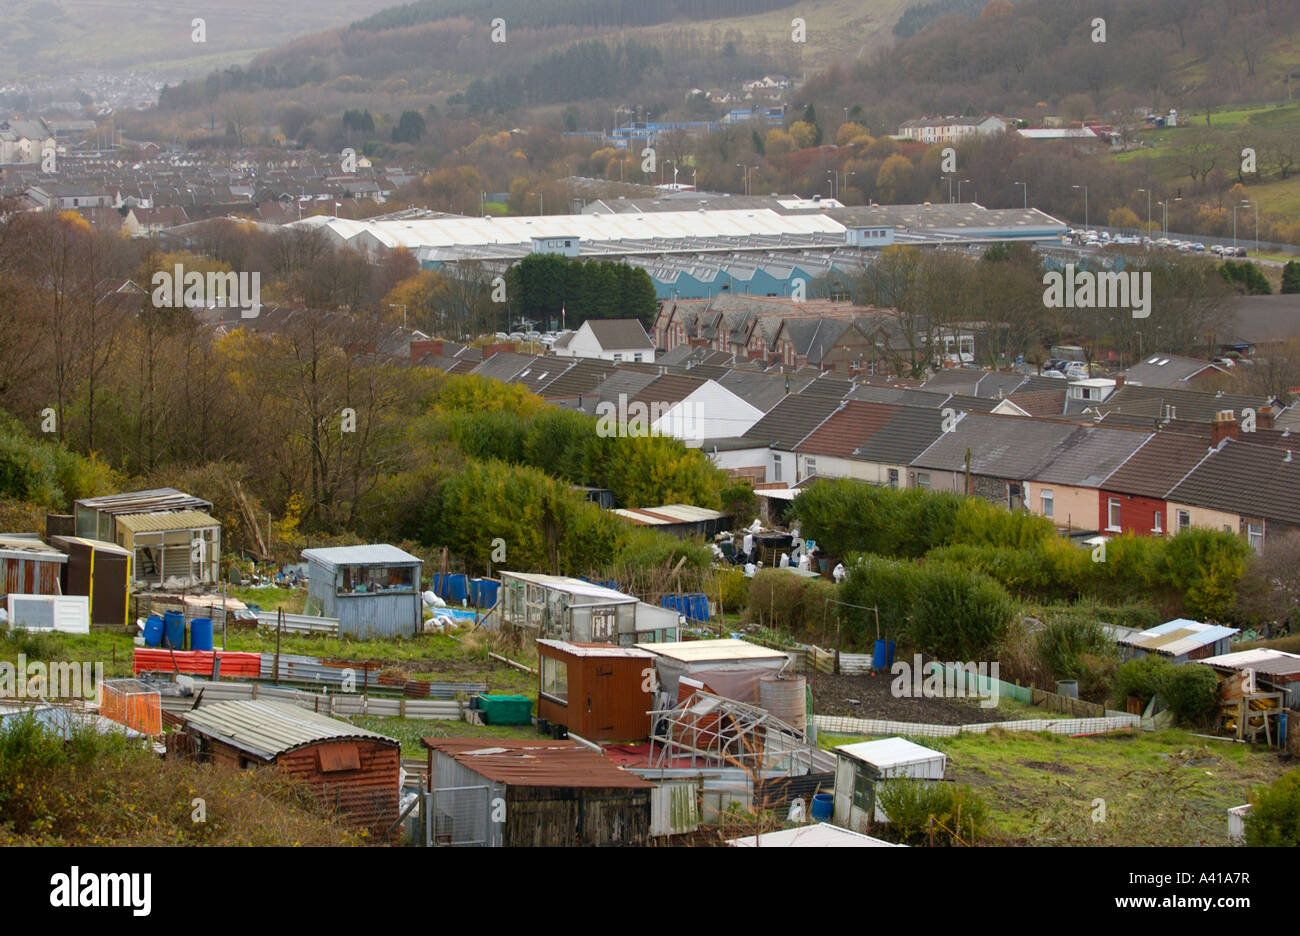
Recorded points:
1199,248
1239,251
1054,374
1077,370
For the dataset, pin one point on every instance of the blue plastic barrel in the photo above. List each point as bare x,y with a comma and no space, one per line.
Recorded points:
458,587
823,805
201,634
487,592
701,603
153,630
882,657
174,630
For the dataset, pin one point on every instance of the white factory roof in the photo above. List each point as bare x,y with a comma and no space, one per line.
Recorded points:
416,233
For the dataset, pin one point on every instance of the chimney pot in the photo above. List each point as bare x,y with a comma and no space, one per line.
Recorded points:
1223,427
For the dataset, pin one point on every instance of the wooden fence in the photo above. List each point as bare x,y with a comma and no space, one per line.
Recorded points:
1066,705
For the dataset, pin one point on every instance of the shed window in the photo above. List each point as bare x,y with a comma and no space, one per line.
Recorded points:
555,679
365,580
863,790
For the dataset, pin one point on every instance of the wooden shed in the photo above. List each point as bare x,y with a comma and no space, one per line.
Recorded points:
355,771
102,572
373,590
28,566
531,793
596,691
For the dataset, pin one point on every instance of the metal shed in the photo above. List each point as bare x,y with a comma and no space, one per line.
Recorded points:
860,769
530,793
102,572
28,566
184,545
1181,640
351,769
373,590
96,516
599,692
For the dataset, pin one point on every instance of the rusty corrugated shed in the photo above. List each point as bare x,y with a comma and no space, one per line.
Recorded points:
536,763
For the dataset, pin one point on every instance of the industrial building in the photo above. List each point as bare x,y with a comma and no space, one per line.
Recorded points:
373,591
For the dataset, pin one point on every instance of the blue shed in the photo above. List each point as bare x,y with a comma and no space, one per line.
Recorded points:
374,591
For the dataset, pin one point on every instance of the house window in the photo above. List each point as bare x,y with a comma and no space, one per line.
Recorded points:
618,356
1113,514
863,790
1255,535
1157,524
1049,504
555,679
923,479
1184,520
809,467
776,467
636,357
893,477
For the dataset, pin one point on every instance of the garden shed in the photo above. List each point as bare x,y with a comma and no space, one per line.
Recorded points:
28,566
96,516
102,572
596,691
553,793
1179,640
172,545
563,608
355,771
861,768
373,590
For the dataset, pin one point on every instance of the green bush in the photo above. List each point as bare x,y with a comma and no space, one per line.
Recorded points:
1189,691
1073,648
959,614
733,586
786,601
1205,567
1274,818
961,816
887,585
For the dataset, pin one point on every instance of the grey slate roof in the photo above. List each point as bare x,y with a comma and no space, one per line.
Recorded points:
1167,370
504,365
1001,446
760,390
1246,479
790,421
908,433
1161,463
1089,455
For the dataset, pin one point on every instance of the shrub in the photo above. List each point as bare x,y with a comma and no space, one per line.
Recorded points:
1073,648
959,614
1190,691
960,814
1140,677
888,586
786,601
733,587
1205,566
1274,818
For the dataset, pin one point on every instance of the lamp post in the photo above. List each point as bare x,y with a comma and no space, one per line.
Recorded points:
833,177
949,178
1164,223
1244,204
402,306
1148,237
959,182
1085,203
1026,185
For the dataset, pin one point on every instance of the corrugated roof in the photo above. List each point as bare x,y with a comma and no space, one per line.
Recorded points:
571,585
95,544
668,514
268,729
1266,661
20,546
703,651
150,501
537,763
1178,637
166,520
375,554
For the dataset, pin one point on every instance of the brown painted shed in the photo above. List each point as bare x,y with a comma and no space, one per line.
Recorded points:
28,566
355,771
102,572
597,691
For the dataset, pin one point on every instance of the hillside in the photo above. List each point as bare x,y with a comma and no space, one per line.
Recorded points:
63,37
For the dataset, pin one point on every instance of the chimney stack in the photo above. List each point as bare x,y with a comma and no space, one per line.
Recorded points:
1264,419
1119,381
1223,427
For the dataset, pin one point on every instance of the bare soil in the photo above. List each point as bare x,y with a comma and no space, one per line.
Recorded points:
869,696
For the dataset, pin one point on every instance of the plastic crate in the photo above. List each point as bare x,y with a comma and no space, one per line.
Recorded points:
506,709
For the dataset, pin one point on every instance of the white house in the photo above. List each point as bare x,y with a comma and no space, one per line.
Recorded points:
609,340
951,129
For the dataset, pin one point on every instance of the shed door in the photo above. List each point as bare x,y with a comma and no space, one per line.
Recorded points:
600,698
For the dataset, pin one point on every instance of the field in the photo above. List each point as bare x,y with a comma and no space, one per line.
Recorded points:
1169,788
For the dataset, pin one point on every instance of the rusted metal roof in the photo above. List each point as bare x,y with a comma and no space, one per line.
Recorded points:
269,729
536,763
145,502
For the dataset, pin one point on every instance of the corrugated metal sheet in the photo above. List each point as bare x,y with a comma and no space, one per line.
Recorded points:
374,554
162,522
674,809
1179,637
144,502
269,729
897,757
539,763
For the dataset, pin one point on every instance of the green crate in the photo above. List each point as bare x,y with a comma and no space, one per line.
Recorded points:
506,709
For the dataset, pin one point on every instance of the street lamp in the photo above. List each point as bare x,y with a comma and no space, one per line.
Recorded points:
949,178
1026,185
1244,204
1164,223
1085,204
959,182
402,306
1148,237
834,178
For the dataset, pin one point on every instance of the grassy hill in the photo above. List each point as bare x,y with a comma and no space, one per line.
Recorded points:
64,37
